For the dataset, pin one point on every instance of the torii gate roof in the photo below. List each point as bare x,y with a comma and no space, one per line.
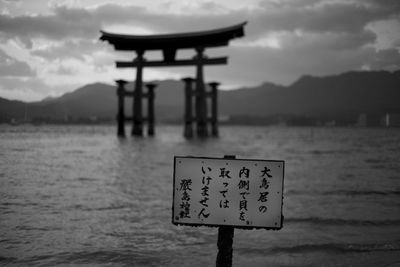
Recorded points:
210,38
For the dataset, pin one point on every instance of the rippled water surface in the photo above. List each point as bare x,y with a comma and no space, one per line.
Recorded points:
78,195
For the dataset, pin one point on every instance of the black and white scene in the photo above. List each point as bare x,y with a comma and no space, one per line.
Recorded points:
200,133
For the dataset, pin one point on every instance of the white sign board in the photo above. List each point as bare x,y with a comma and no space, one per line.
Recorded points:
235,192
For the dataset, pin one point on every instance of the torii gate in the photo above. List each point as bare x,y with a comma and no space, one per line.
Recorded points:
169,44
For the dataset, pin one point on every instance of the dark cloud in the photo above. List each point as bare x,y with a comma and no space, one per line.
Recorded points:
67,22
317,16
322,16
53,27
10,67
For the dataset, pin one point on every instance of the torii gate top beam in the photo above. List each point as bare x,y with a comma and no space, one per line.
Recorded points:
210,38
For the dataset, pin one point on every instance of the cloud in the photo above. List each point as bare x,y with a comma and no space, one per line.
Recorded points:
71,22
298,57
53,27
78,48
298,39
18,83
284,39
31,88
388,59
321,16
10,66
63,70
316,16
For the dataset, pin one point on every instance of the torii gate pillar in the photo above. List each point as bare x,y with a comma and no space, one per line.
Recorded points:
214,108
137,128
188,128
150,108
201,102
121,107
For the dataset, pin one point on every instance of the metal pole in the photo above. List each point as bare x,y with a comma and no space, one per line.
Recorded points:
225,241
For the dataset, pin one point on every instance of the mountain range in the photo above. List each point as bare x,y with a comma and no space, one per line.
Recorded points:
309,100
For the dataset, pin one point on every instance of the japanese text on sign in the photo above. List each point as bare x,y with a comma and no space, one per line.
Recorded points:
235,192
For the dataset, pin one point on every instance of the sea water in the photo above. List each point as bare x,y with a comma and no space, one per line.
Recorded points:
78,195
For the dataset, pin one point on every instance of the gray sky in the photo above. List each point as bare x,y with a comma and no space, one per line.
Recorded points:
50,47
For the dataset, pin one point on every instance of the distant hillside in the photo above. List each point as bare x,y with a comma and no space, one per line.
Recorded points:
11,109
340,97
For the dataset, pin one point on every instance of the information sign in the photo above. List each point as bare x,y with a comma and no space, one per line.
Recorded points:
243,193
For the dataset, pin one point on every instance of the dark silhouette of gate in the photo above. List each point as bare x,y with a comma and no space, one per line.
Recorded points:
169,44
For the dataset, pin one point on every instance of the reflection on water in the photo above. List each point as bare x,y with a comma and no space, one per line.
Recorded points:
79,195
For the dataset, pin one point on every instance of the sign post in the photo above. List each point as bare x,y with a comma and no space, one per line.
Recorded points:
228,193
225,241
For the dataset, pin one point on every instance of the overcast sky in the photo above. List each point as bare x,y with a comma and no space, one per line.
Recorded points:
50,47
